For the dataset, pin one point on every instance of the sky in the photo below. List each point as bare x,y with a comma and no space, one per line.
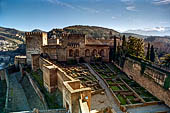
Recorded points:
120,15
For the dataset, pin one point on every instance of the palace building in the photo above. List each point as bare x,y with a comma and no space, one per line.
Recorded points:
64,47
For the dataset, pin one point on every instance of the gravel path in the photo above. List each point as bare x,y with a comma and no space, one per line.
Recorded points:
17,98
32,98
108,93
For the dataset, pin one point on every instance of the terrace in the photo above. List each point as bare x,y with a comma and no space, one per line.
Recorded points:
126,92
80,72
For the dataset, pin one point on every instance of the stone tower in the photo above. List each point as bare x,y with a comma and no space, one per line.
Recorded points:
34,43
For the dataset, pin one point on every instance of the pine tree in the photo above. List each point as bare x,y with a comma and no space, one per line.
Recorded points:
152,54
148,52
114,49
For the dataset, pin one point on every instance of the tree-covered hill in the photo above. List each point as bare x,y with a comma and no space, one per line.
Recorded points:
90,31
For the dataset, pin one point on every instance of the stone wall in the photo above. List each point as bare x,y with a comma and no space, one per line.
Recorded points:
50,77
149,78
2,74
35,61
20,60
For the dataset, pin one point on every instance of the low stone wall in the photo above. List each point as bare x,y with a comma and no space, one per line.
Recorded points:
61,75
45,111
42,62
143,76
37,90
2,74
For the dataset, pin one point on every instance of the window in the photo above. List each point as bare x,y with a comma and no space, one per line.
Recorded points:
87,52
94,52
102,53
70,53
76,53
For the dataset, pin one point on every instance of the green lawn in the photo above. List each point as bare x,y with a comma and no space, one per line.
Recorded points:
122,100
109,82
124,87
115,88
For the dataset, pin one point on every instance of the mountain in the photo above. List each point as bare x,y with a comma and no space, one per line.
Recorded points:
37,30
90,31
11,35
134,35
157,31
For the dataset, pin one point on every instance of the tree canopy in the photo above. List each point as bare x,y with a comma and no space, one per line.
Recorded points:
135,46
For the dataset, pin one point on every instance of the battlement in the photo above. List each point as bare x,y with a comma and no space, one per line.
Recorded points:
69,35
34,33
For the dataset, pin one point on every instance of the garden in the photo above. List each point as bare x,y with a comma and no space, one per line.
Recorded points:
82,73
125,90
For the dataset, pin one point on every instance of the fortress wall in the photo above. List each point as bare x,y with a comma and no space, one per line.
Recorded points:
148,78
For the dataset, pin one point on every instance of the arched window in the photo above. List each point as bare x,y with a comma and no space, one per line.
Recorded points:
102,53
76,53
94,52
70,53
87,52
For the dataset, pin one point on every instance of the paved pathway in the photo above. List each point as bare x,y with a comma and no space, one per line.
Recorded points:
108,93
17,98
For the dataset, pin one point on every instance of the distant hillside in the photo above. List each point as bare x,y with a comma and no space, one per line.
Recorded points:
161,43
134,35
12,35
37,30
157,31
90,31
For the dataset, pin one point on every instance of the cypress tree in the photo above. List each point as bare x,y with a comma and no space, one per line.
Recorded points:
148,52
124,42
114,49
152,54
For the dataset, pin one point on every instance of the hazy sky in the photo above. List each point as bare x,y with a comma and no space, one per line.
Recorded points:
120,15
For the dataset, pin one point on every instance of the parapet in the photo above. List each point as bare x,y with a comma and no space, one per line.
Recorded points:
35,33
65,35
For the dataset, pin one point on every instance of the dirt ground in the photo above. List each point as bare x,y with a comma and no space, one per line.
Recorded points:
99,102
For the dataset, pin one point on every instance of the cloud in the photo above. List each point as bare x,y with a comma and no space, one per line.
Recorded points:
160,29
130,5
164,22
113,17
61,3
160,2
88,9
131,8
78,8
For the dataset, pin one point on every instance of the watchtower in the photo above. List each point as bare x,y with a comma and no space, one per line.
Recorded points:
34,43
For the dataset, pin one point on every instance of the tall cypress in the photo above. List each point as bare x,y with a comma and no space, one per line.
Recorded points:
124,42
148,52
114,49
152,54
